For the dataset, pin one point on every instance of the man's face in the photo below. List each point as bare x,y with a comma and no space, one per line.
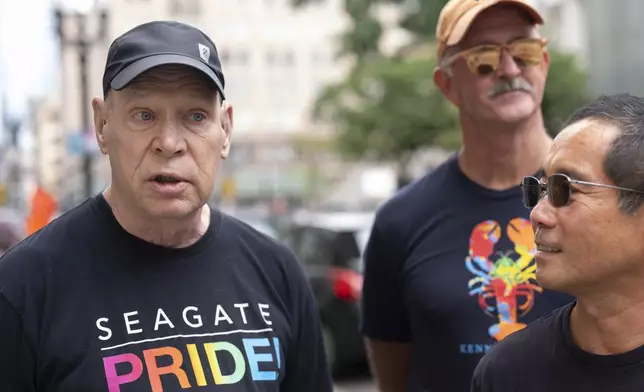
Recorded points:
597,244
165,135
486,96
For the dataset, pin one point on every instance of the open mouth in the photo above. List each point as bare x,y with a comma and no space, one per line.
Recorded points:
546,248
166,179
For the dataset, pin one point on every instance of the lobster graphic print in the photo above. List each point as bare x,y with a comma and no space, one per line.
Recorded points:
504,280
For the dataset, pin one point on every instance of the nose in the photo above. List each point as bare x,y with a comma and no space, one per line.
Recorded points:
170,141
507,66
543,215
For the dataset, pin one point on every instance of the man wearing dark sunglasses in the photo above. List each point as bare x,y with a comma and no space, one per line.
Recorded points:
449,267
589,226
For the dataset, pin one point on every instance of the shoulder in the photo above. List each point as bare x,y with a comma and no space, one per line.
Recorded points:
256,245
25,267
425,193
61,233
247,235
517,351
414,205
67,230
267,262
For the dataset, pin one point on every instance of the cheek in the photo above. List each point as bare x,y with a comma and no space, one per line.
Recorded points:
536,77
592,235
127,153
206,152
473,91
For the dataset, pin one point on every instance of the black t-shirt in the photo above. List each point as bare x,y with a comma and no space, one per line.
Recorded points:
544,357
449,268
85,306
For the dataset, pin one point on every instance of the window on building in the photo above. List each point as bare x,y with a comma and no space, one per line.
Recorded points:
231,57
289,58
180,8
271,58
224,56
284,58
242,57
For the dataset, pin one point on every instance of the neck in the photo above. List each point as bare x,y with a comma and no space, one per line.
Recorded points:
609,322
498,156
171,233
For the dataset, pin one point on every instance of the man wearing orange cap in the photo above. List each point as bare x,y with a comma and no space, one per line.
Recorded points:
449,267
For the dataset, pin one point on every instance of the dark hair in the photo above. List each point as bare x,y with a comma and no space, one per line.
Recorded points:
624,161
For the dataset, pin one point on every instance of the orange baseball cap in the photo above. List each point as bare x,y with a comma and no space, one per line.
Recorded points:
457,16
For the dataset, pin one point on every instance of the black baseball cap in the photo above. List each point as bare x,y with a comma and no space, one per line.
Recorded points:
160,43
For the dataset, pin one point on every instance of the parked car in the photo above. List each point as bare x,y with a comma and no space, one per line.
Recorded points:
330,246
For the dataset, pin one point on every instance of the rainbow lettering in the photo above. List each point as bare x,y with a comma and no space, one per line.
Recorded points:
246,363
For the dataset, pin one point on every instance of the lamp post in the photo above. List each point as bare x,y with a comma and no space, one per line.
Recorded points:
83,41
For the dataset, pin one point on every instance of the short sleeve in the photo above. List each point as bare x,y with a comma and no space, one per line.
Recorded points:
383,309
307,368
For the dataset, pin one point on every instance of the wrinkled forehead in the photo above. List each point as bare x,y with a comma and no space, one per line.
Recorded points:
499,24
172,78
582,145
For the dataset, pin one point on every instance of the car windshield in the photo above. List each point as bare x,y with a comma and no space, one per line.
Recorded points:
362,237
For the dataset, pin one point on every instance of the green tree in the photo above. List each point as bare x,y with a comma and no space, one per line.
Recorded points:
566,90
388,108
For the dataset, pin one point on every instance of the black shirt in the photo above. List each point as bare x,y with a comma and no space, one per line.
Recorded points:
449,268
544,357
86,306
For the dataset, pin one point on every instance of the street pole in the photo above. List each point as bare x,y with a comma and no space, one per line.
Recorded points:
83,44
83,49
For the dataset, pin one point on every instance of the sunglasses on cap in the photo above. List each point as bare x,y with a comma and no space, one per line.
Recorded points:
484,60
558,188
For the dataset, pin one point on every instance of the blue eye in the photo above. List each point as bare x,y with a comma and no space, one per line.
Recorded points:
144,116
198,117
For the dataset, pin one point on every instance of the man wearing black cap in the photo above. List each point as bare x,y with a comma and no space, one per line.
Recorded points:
144,287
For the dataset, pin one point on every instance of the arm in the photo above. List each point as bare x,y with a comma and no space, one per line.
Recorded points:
307,368
390,364
384,317
16,357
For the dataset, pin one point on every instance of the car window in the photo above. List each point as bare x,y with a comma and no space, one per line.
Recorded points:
362,237
314,247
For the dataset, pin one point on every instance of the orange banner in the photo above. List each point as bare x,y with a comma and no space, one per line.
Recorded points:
43,207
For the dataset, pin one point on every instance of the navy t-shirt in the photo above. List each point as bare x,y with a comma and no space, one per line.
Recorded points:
85,306
449,268
544,357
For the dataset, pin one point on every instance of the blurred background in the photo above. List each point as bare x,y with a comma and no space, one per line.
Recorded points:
335,109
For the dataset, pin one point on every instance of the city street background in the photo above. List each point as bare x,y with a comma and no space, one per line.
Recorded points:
306,167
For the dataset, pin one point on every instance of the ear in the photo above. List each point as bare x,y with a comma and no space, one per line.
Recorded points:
100,109
227,122
546,61
445,83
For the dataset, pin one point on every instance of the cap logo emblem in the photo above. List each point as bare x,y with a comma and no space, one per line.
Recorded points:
204,52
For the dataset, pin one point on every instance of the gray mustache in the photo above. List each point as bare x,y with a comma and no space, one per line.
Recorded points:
507,85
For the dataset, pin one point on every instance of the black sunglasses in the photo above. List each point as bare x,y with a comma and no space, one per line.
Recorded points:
558,188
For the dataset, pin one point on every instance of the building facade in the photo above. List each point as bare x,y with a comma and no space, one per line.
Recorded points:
276,60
